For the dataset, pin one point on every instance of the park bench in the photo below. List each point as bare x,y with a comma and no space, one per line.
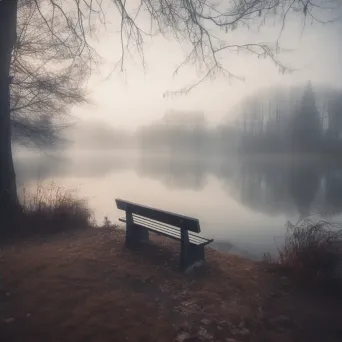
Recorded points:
140,220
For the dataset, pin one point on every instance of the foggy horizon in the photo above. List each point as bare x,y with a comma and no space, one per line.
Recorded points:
244,153
131,98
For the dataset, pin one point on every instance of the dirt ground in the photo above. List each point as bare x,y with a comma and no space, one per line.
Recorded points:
86,286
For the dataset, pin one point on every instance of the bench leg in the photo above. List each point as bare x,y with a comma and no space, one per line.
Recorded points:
196,253
192,256
135,235
142,233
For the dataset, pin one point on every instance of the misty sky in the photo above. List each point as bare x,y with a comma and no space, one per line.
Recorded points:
135,97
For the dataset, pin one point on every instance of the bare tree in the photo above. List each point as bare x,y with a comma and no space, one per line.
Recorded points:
8,192
202,25
47,80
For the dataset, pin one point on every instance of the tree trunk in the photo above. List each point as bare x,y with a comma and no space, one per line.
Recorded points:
8,191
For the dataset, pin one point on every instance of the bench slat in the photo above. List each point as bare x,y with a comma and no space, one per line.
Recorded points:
156,230
169,227
174,235
153,224
193,238
189,223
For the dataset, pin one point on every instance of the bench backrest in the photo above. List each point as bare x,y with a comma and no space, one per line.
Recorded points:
173,219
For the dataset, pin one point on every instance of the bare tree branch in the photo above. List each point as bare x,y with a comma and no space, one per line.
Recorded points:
48,76
53,54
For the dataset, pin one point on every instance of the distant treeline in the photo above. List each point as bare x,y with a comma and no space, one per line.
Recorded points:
176,132
282,120
296,120
187,132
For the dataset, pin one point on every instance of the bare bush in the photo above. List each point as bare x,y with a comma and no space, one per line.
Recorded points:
51,208
312,251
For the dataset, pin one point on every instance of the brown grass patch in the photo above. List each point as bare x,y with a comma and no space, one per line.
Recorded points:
86,286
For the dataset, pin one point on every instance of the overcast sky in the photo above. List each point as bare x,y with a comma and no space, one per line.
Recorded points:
135,97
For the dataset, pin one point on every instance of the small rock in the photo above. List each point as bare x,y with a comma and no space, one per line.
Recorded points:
240,331
9,320
182,336
28,315
229,339
203,333
205,321
244,332
7,294
224,323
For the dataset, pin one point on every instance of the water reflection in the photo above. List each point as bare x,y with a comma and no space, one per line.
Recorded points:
304,187
266,185
272,187
175,173
49,166
304,184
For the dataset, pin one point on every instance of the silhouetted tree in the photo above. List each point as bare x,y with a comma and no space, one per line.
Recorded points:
306,128
47,80
335,117
304,184
297,118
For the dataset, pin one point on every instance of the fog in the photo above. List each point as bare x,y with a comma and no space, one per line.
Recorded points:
268,121
244,156
134,97
242,202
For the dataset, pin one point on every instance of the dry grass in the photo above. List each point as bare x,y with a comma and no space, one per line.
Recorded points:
86,286
51,208
312,251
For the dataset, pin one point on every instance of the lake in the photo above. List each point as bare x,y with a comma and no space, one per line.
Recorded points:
243,203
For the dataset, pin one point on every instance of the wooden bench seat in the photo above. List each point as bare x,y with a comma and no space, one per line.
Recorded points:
141,219
167,230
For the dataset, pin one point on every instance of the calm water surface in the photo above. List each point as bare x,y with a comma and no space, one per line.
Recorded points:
242,203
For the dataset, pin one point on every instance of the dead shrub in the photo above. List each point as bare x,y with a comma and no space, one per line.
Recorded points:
51,208
107,223
312,251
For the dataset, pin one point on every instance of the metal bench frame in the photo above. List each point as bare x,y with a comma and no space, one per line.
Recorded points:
141,219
